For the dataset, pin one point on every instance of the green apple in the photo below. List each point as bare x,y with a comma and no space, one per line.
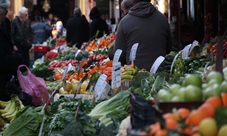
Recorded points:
193,79
181,93
175,99
215,75
174,89
213,90
224,86
214,81
164,95
193,93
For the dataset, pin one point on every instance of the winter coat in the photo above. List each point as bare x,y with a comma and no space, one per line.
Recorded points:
77,30
9,60
97,23
41,32
144,25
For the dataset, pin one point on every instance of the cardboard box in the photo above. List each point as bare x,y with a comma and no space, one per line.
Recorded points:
31,55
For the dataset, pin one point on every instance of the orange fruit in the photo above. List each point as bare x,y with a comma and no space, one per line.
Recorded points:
154,128
215,101
208,109
195,117
167,116
161,132
186,131
183,112
171,124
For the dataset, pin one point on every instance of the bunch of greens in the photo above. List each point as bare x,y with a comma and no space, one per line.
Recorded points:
116,108
42,70
26,123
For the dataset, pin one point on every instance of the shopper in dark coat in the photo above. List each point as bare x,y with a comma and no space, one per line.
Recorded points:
22,35
77,29
144,25
9,60
97,23
41,31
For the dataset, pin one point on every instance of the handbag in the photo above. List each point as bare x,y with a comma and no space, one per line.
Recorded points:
13,88
27,44
34,86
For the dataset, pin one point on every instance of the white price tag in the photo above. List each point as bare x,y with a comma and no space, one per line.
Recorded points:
102,88
78,51
133,51
117,55
66,70
186,51
62,47
116,75
98,43
195,43
55,50
156,64
171,68
41,60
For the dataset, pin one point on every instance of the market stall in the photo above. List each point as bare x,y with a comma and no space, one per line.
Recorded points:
182,94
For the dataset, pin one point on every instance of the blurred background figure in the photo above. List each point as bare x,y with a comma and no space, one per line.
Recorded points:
40,30
97,24
51,18
22,35
77,29
8,58
125,7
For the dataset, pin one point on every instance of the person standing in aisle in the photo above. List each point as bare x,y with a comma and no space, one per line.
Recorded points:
41,31
22,35
8,58
77,29
125,7
148,27
97,24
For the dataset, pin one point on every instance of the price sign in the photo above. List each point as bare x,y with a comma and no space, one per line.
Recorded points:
98,43
156,64
116,75
55,50
102,88
66,70
62,47
133,52
117,55
171,68
186,51
78,51
195,43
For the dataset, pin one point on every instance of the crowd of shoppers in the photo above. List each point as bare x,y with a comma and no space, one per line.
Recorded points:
141,23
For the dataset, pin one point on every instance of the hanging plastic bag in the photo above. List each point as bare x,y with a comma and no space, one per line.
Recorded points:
34,86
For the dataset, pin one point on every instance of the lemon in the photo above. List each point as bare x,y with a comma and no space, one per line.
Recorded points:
223,130
208,127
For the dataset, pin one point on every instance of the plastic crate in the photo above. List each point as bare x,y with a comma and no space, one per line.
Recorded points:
142,113
166,107
39,48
